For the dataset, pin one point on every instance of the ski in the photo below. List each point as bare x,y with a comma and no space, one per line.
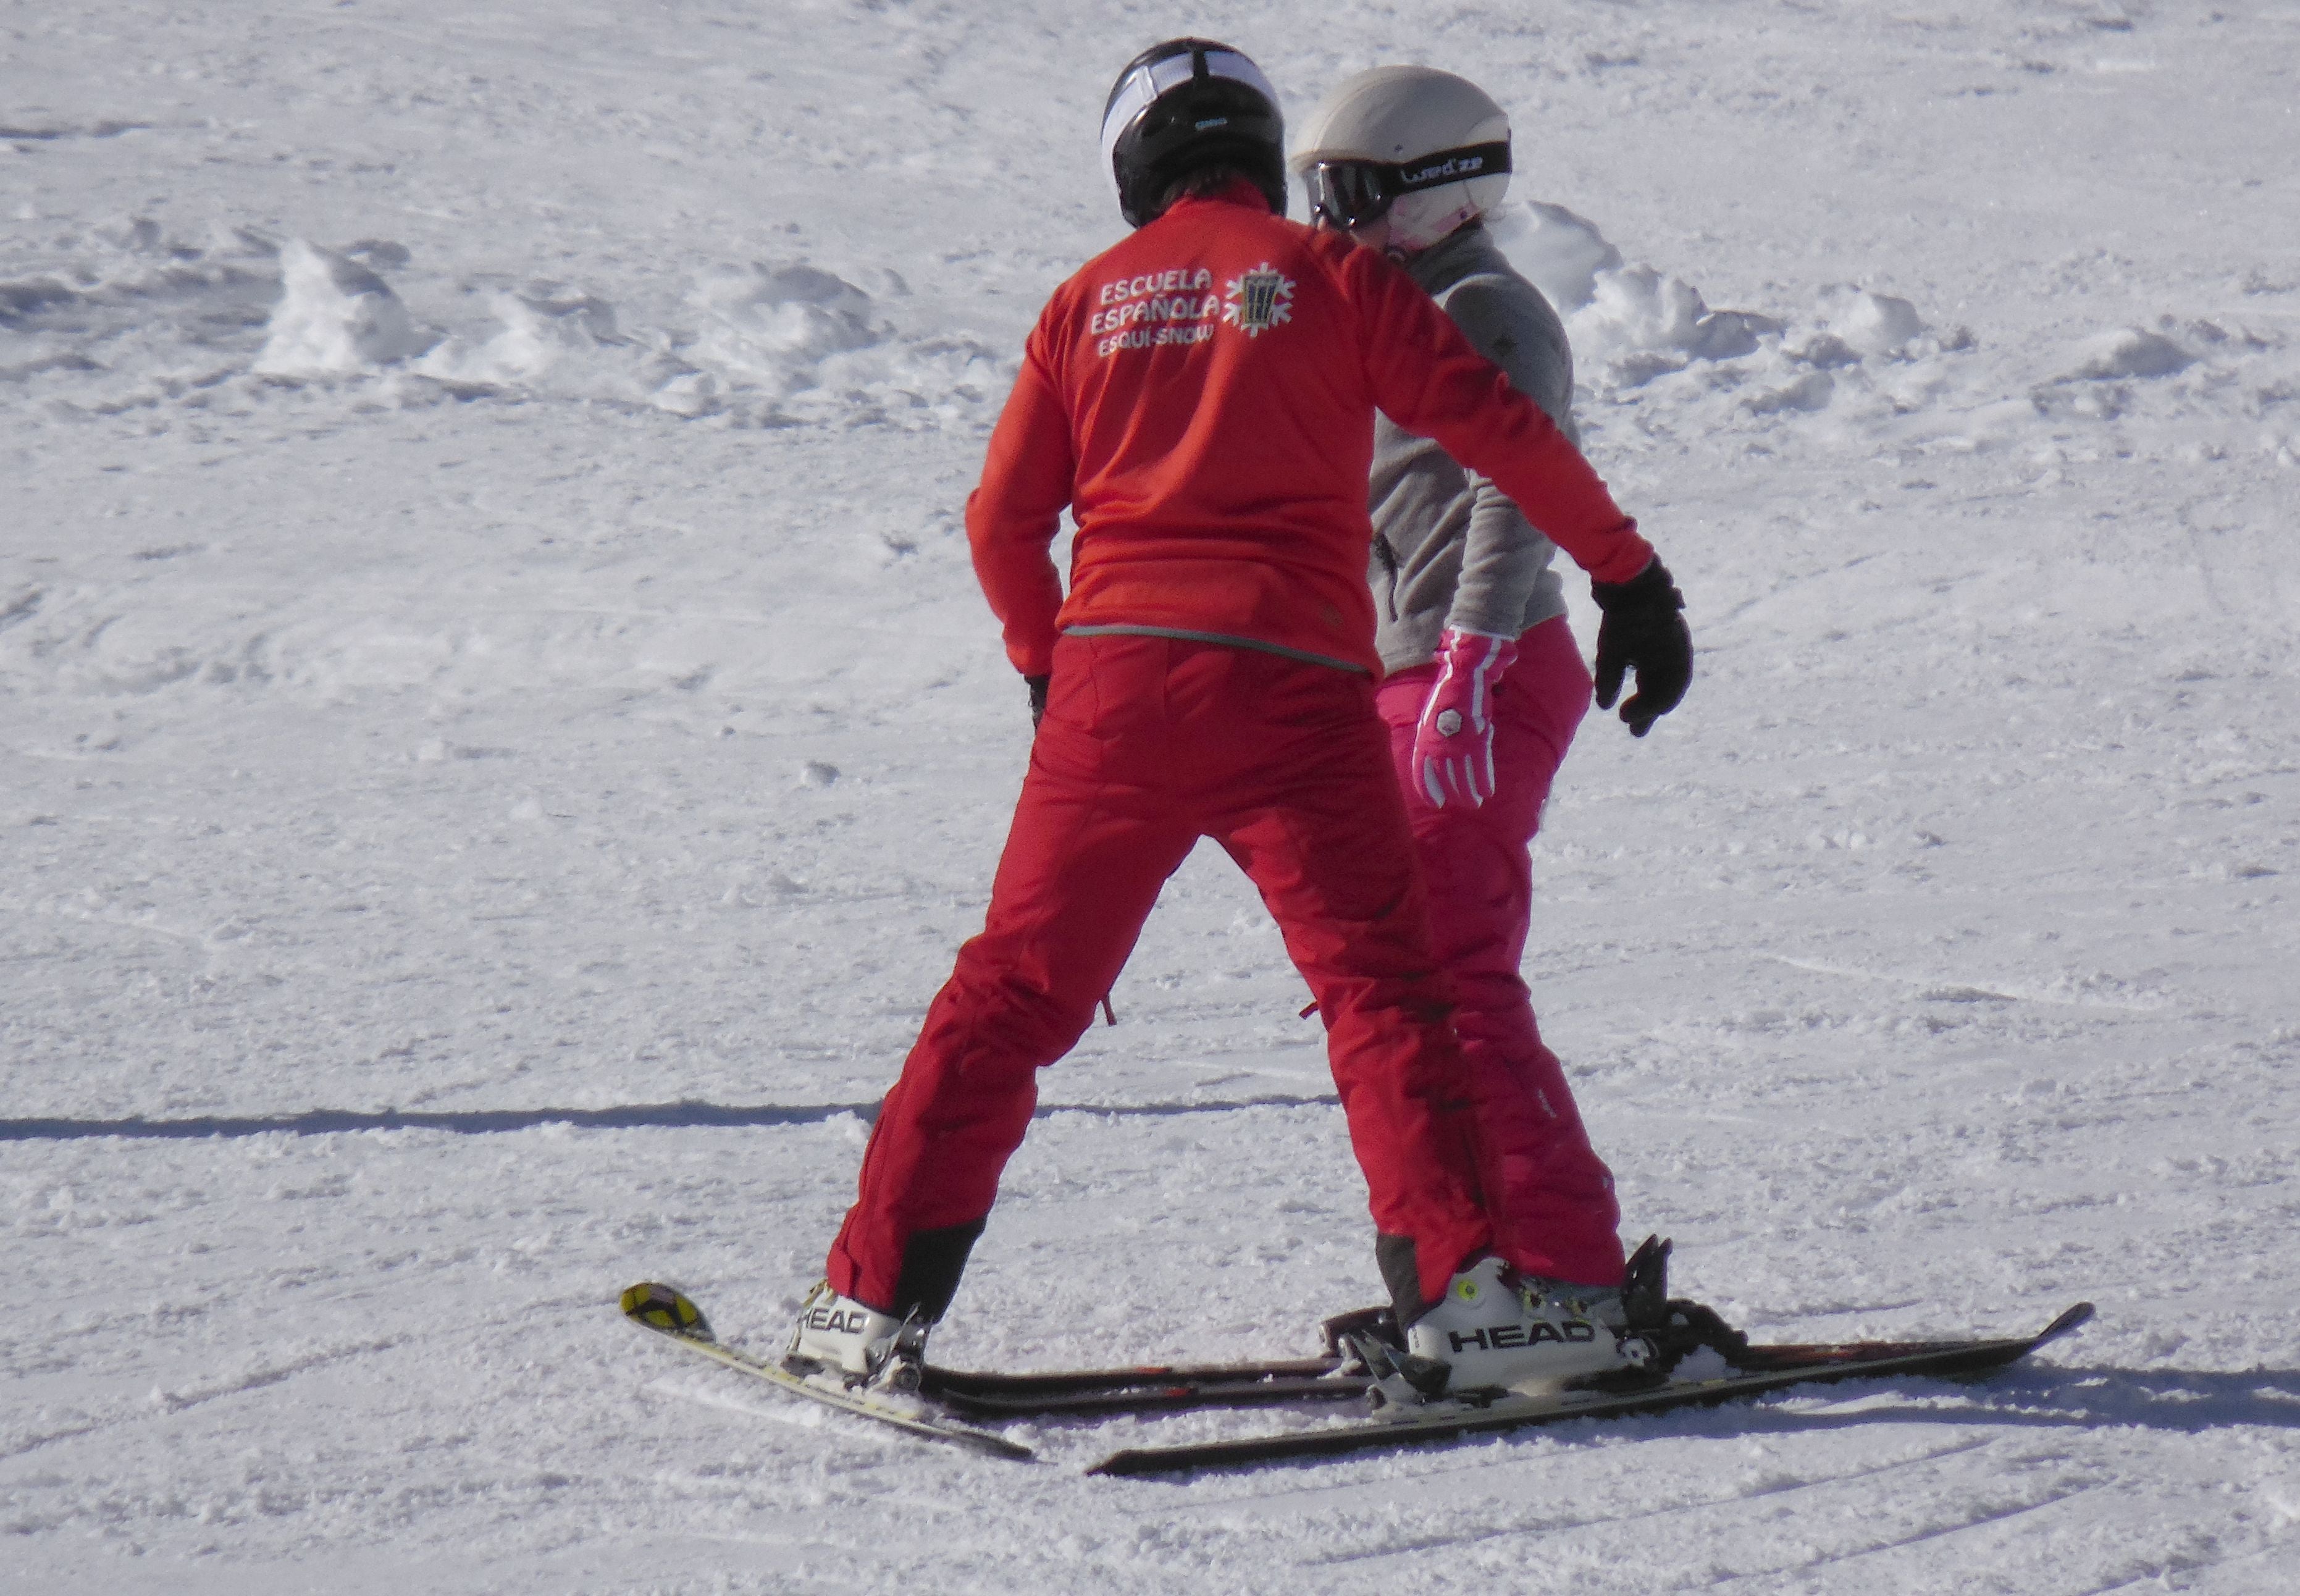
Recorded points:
1777,1368
1159,1387
666,1311
1168,1387
1148,1389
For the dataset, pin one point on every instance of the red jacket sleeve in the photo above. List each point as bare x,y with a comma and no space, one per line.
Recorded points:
1430,380
1011,517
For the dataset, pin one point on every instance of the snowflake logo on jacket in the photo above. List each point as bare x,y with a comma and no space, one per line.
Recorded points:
1258,300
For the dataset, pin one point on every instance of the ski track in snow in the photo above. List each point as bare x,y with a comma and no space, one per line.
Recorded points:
502,743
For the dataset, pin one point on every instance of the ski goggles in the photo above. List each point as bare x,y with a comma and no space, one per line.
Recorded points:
1359,193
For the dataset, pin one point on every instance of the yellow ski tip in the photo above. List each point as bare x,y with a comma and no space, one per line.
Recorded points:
663,1307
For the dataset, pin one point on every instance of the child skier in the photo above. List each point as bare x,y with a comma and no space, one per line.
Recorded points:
1484,685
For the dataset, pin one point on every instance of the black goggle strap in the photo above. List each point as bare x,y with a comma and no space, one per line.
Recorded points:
1452,167
1352,192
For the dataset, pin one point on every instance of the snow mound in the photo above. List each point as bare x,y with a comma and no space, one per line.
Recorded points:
1560,253
775,325
1870,323
790,344
122,315
1636,311
335,318
539,328
1848,366
128,315
2131,352
1807,391
1641,321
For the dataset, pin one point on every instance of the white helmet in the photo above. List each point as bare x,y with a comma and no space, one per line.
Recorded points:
1423,147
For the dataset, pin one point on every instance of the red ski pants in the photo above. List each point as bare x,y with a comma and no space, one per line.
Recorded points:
1551,1196
1148,744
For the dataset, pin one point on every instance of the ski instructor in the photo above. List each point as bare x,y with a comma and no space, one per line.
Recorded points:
1202,396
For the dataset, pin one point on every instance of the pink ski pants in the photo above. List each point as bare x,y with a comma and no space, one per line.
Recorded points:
1554,1213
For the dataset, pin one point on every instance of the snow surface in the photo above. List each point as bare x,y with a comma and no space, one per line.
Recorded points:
502,743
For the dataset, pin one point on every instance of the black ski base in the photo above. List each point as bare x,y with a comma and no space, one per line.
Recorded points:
1155,1388
1788,1366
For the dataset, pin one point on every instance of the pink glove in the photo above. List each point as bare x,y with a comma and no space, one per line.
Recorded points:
1453,745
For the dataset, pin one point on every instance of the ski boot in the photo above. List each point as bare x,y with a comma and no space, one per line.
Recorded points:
1495,1327
1369,1341
1496,1330
859,1345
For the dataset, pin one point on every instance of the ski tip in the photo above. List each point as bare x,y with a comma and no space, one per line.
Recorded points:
667,1309
2080,1314
991,1445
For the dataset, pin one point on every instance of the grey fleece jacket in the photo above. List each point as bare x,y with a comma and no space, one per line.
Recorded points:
1450,549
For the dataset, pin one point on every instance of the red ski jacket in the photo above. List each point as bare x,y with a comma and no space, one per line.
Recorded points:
1202,396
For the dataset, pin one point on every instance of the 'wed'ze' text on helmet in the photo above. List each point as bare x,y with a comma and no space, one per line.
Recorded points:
1186,104
1424,148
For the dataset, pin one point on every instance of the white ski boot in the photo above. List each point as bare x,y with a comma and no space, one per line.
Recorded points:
837,1336
1497,1329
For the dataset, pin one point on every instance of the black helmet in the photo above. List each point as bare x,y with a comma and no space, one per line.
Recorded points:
1187,103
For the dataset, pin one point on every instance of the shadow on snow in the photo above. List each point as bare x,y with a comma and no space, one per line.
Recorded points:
483,1121
2186,1401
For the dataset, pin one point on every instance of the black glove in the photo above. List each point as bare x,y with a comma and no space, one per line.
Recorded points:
1642,631
1037,686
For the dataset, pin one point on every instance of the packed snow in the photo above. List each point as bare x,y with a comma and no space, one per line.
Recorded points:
502,742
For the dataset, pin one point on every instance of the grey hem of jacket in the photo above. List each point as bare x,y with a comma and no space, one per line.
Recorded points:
1224,638
1450,549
